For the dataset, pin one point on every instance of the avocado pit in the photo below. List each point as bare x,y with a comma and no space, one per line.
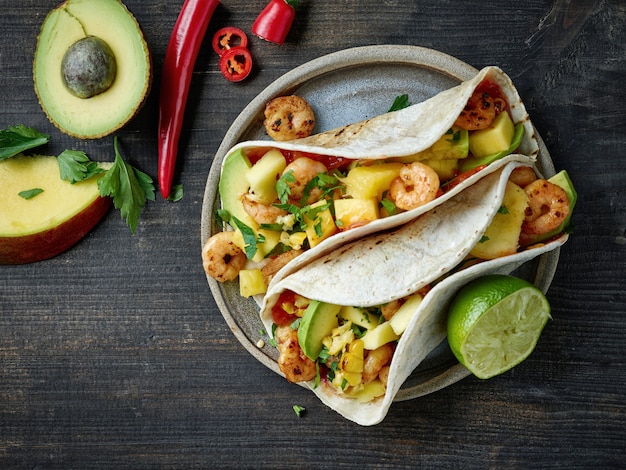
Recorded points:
88,67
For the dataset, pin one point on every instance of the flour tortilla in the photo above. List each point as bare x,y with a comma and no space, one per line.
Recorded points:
391,265
399,134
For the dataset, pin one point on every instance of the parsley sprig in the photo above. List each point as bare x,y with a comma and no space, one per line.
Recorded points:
129,187
75,166
16,139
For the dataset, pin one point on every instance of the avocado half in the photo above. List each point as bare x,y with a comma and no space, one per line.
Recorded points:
104,113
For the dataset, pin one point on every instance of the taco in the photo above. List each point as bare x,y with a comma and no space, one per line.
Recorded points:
353,324
310,195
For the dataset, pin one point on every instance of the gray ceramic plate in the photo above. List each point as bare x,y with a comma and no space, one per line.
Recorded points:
344,87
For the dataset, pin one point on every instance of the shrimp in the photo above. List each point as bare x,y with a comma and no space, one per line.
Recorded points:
375,361
522,176
416,185
291,360
479,112
383,375
303,170
288,117
388,310
221,258
261,213
548,207
275,264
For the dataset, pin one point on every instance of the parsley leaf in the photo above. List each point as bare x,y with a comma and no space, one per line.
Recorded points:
16,139
249,237
400,102
75,166
129,187
282,185
299,410
30,193
176,194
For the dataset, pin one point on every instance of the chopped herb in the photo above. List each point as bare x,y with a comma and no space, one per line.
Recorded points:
249,237
222,216
30,193
456,136
483,239
176,194
282,185
295,324
16,139
75,166
316,383
400,102
344,384
389,206
129,187
272,227
503,210
300,410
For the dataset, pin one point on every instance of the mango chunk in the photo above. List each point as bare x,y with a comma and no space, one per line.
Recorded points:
251,282
378,336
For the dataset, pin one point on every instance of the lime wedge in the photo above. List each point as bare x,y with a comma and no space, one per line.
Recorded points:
494,323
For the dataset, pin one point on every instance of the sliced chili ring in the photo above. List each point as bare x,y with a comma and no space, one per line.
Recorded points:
228,38
236,64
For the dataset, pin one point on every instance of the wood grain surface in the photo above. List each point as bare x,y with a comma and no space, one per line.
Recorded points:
114,354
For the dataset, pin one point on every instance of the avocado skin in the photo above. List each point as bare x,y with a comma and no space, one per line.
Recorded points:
88,67
108,111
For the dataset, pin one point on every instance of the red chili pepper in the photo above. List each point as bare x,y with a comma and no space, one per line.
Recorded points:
275,21
227,38
180,58
236,64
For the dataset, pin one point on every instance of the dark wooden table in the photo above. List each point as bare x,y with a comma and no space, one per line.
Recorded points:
115,355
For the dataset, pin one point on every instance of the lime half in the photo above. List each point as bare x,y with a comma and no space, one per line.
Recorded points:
494,323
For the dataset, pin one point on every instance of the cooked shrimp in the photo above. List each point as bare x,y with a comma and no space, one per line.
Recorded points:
479,112
291,360
276,263
388,310
288,117
261,213
522,176
416,185
221,258
548,207
375,361
383,375
304,169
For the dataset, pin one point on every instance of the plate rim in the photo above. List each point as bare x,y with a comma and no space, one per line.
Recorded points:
419,56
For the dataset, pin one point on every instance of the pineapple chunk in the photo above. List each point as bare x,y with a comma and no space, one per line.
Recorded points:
351,363
378,336
355,212
502,236
494,139
263,175
251,282
372,390
359,317
321,227
400,320
366,182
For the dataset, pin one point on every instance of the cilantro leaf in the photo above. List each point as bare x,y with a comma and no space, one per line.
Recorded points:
75,166
129,187
299,410
400,102
30,193
16,139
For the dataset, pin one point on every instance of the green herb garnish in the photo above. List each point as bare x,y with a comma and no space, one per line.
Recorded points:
400,102
129,188
75,166
176,194
282,186
16,139
30,193
300,410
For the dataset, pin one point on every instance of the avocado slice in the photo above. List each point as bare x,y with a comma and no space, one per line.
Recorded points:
114,104
318,322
